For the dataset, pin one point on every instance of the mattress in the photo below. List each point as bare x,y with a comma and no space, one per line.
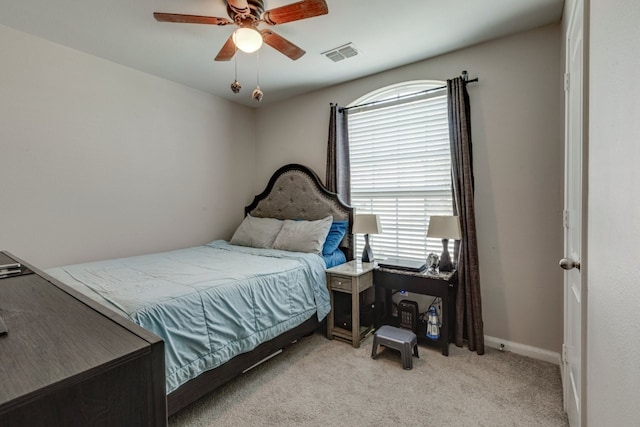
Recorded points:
208,303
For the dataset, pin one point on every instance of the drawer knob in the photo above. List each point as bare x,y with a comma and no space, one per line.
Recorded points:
339,282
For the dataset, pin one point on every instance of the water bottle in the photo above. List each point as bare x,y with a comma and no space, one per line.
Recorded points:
433,330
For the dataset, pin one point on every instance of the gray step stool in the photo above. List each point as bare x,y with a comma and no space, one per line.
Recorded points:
399,339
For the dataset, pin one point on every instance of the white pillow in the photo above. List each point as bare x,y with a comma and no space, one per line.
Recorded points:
303,236
257,232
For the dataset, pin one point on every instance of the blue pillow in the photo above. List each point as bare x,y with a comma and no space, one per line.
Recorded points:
336,234
334,259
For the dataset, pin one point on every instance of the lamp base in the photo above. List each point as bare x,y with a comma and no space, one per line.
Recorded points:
367,253
445,259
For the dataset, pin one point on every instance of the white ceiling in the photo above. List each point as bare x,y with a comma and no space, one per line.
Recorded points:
386,33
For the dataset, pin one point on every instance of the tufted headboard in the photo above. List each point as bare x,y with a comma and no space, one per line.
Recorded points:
295,192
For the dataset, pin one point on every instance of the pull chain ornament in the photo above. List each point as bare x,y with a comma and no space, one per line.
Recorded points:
257,93
236,86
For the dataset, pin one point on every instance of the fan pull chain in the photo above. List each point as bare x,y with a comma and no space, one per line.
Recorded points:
236,86
257,93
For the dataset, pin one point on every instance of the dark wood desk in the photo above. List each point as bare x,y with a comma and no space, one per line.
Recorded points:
436,284
68,361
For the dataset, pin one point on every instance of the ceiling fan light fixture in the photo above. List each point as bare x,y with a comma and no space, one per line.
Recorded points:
247,39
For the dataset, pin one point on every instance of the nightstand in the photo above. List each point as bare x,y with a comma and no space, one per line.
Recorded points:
353,278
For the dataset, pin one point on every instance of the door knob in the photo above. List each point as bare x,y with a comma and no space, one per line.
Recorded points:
568,264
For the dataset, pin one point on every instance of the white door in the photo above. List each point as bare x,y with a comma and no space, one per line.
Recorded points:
573,293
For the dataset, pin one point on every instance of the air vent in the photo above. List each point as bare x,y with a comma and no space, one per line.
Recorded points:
342,52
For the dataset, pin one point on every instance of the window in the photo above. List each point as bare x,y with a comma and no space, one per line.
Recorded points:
401,166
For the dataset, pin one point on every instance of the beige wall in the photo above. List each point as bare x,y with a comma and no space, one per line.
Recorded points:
613,323
106,161
102,161
518,151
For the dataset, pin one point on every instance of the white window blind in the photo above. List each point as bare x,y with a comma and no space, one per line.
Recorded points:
401,169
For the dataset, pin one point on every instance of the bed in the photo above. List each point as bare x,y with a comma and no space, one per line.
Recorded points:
221,308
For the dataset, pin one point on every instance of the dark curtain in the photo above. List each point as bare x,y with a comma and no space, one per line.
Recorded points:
338,165
468,301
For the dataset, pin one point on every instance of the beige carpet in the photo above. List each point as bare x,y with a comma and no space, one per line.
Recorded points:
318,382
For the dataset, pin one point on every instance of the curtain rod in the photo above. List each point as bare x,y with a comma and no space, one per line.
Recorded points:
409,95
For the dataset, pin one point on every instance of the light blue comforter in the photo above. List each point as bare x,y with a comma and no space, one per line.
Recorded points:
209,303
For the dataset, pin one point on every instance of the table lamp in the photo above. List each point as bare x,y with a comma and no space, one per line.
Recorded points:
367,224
444,227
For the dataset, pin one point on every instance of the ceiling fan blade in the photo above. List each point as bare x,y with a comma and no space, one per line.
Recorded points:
281,44
190,19
295,12
228,50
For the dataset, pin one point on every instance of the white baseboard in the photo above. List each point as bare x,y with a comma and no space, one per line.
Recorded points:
522,349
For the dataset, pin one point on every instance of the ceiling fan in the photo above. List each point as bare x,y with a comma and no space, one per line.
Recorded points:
247,14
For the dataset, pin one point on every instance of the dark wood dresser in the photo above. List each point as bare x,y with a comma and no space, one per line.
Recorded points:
68,361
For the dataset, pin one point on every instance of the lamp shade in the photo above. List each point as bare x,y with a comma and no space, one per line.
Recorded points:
444,227
247,39
367,224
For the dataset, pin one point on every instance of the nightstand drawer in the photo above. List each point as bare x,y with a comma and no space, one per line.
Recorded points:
341,283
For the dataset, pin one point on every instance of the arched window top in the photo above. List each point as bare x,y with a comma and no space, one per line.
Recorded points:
398,90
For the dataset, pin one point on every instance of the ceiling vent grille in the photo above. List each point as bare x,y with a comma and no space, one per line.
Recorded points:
342,52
